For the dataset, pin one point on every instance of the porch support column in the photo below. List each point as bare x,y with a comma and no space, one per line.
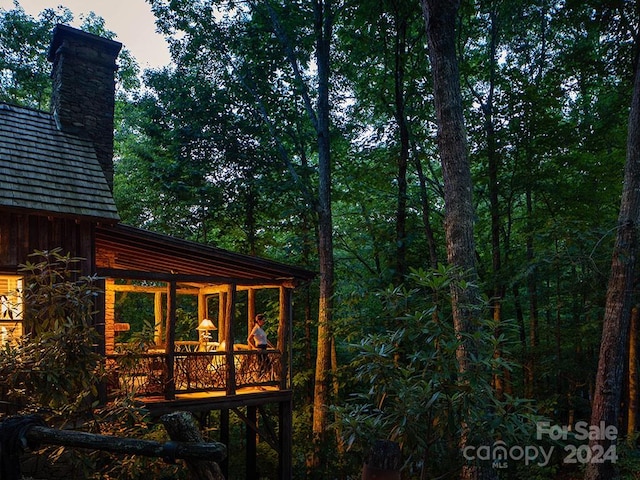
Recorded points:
109,316
100,324
170,391
202,306
222,311
229,337
285,336
251,308
157,308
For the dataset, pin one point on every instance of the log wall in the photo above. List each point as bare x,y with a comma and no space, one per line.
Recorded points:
22,234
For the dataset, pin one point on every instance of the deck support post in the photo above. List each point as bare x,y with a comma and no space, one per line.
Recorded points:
251,308
285,466
284,336
251,462
225,438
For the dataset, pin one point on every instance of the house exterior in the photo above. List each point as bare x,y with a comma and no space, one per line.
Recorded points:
56,175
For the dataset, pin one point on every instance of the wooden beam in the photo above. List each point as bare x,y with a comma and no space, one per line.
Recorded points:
251,308
158,407
153,289
109,317
222,311
158,320
225,438
185,278
251,421
202,306
285,415
239,288
284,336
269,428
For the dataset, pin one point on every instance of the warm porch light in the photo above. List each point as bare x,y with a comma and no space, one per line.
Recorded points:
204,328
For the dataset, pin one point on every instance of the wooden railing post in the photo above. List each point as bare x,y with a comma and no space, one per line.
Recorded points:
228,339
170,388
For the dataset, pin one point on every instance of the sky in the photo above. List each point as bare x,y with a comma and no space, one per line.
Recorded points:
131,21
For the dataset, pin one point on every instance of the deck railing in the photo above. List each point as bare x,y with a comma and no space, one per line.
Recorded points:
148,374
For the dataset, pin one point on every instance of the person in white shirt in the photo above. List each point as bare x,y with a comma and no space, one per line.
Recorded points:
258,339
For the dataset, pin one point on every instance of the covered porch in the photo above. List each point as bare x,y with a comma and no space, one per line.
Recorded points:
175,323
180,351
177,315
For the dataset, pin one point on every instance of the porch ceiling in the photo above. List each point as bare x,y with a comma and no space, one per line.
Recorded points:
121,247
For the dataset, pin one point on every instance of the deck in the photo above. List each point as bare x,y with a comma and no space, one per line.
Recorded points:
198,380
216,400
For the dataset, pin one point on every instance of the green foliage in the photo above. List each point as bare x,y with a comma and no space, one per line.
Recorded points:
55,365
124,418
55,294
219,149
24,69
55,371
409,391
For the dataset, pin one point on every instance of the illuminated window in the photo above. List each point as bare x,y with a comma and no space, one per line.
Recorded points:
10,308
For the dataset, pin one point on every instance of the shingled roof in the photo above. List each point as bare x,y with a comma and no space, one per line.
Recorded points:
45,170
125,251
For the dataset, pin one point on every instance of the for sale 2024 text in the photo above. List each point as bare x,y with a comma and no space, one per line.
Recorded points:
582,431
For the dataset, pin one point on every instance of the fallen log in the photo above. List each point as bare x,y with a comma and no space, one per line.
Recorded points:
19,432
169,450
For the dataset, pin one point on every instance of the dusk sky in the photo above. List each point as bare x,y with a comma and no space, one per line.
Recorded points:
131,20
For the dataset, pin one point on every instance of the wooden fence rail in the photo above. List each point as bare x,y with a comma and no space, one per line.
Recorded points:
201,458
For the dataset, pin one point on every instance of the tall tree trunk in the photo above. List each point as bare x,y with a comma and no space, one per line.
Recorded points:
532,289
403,157
440,19
632,403
452,142
426,213
319,116
323,29
493,161
606,401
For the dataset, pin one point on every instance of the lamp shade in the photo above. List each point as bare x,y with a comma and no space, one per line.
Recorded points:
206,324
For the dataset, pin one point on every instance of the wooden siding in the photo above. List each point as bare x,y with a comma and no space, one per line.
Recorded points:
21,235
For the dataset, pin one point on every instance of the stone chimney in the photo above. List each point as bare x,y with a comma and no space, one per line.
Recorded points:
83,96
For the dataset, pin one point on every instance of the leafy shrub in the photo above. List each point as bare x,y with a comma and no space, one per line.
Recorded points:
55,366
411,391
55,370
